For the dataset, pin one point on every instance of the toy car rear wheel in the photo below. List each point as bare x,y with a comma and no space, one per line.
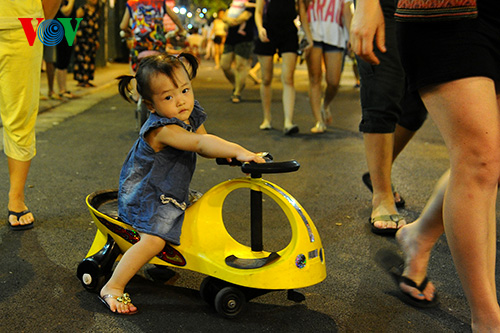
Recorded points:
230,302
208,290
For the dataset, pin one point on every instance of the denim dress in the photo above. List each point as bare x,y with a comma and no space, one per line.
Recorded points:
154,186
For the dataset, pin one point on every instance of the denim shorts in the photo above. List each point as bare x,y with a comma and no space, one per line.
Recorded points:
243,49
327,47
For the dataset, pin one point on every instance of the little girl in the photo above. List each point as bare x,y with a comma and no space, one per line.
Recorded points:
154,181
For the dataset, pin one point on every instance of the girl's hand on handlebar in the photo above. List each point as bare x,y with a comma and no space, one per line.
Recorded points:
250,157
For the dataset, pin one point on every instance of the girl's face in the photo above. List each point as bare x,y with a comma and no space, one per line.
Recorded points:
169,101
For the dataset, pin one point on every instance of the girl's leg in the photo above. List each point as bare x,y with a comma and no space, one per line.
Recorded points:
287,78
241,72
418,238
333,64
315,73
467,114
136,257
266,66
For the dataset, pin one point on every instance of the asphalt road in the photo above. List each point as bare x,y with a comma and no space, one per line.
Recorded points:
81,148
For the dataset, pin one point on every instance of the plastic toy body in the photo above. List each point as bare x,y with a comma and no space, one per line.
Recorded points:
236,272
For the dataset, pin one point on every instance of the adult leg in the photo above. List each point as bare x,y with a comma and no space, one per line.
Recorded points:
287,78
467,114
418,238
379,149
18,173
241,72
136,257
315,74
226,63
266,66
333,64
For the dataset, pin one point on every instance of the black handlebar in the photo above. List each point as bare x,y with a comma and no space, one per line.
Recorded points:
261,168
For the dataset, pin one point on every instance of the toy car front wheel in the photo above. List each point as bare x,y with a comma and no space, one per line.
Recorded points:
230,302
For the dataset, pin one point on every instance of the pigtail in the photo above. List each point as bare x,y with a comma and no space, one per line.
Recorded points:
192,61
124,87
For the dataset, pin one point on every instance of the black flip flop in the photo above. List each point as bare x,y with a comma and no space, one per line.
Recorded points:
19,227
368,183
394,265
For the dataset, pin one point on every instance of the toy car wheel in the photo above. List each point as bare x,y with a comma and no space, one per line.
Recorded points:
90,275
230,302
208,290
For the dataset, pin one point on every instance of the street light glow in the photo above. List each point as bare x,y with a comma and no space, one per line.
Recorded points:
182,11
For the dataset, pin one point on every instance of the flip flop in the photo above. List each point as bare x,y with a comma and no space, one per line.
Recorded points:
368,183
394,265
294,129
385,218
125,299
19,227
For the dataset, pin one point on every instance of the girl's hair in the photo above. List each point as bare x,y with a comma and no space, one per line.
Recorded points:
150,66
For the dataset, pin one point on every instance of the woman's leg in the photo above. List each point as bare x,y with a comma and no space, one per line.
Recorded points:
333,64
315,73
18,173
418,238
287,78
266,67
136,257
241,72
468,116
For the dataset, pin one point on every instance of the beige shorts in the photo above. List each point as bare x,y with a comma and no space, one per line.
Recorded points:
20,66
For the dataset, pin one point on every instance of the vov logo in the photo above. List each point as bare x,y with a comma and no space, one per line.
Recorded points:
50,32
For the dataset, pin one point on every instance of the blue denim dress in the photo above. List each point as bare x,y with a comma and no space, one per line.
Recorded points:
154,186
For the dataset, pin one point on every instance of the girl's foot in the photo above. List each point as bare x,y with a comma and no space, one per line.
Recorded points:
327,116
117,301
319,128
24,219
416,256
266,125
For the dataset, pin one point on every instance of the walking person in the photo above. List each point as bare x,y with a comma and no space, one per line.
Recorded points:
20,66
391,115
278,33
238,46
452,58
326,23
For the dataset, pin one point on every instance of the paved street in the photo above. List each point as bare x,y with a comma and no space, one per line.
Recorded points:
81,146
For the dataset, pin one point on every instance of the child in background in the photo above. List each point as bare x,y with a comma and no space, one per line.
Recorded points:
154,181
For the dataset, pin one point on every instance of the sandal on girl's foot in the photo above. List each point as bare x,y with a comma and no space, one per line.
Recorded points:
19,227
125,299
319,128
294,129
327,116
67,94
265,126
236,99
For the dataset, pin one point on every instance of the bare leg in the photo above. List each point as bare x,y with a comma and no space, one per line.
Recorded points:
333,64
51,70
313,60
226,63
468,116
136,257
241,72
417,239
379,149
18,173
266,63
287,78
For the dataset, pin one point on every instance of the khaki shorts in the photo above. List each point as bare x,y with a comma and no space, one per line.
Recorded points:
20,66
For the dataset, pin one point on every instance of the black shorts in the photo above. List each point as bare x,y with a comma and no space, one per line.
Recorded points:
283,39
438,52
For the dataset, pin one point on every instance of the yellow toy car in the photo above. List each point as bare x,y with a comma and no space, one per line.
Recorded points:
236,273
